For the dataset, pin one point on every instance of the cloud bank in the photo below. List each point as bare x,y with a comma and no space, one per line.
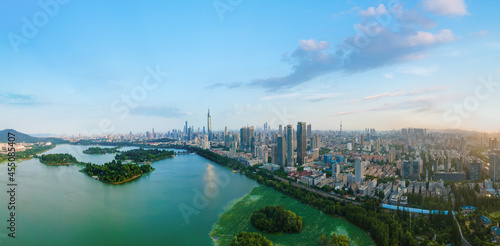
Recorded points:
385,36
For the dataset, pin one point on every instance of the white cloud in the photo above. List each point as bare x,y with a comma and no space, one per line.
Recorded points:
372,11
427,38
420,71
445,7
312,45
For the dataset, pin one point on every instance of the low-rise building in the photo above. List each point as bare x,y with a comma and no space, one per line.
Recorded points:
466,210
394,199
403,200
271,167
495,231
485,221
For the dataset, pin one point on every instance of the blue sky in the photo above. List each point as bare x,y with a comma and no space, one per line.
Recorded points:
68,66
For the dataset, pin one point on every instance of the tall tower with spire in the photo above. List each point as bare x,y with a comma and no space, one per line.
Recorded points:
209,125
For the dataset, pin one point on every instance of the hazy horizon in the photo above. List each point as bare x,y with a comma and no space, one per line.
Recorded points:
70,67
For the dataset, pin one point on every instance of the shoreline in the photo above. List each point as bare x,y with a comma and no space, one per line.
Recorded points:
29,158
101,154
225,209
60,164
124,181
312,218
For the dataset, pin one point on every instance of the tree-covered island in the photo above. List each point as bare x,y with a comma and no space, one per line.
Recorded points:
101,151
58,159
145,155
274,219
115,172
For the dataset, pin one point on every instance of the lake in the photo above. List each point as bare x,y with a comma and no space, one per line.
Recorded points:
177,204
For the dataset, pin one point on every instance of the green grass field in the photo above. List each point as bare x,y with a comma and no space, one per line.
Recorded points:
315,223
495,214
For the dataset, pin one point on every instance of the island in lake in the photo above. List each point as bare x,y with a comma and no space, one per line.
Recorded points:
101,151
274,219
145,155
115,172
58,159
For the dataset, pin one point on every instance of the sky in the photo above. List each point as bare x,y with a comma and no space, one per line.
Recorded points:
71,67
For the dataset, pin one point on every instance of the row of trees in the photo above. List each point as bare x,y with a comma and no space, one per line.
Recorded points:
58,159
335,240
250,239
273,219
145,155
466,196
115,171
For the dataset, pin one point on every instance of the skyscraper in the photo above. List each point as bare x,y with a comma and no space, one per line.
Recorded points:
301,142
475,170
289,145
494,167
309,131
497,168
314,141
280,132
281,151
406,169
358,170
209,126
335,169
250,135
243,137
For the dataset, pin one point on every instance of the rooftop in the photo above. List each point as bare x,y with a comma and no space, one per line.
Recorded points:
485,220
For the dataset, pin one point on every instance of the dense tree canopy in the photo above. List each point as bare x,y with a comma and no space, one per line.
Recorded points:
58,159
335,240
100,151
115,171
145,155
250,239
273,219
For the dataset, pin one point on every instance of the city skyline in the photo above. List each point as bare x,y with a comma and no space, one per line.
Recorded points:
384,65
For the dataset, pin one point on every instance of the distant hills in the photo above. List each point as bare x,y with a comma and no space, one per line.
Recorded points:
21,137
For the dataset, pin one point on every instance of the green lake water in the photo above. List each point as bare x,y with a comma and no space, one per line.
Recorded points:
314,223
